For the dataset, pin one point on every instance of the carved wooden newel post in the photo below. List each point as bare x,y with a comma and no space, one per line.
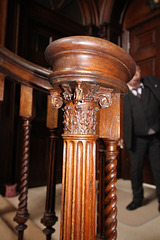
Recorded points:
86,73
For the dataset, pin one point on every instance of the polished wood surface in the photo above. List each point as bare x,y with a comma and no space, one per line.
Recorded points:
109,191
22,214
110,122
98,54
23,71
109,133
87,74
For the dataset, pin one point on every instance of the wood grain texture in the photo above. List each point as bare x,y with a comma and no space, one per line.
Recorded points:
52,115
26,101
78,195
109,119
23,71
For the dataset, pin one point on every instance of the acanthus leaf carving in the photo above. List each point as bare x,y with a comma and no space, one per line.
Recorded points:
85,92
81,105
80,119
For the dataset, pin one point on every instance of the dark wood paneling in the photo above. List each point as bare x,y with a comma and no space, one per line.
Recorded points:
145,47
8,127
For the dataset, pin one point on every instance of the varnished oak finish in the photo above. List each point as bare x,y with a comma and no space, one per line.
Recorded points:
87,72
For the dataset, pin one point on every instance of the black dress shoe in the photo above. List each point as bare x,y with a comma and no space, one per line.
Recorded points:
134,205
159,207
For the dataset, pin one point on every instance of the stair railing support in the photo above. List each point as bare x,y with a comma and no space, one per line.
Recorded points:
50,218
22,215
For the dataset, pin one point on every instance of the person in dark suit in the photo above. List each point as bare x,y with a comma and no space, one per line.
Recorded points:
141,126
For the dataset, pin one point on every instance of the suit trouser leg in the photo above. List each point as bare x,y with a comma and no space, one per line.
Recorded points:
137,157
154,155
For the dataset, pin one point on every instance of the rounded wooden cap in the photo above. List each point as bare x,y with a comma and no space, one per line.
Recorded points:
89,59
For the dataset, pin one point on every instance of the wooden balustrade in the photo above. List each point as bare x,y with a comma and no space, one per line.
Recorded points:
31,76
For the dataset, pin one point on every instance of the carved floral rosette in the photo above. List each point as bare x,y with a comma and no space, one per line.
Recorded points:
81,105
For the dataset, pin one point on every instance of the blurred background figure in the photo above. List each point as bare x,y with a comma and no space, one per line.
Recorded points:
141,120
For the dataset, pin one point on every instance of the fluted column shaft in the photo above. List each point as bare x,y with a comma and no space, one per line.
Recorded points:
78,195
79,157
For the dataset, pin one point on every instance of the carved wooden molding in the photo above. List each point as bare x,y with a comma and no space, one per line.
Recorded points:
82,92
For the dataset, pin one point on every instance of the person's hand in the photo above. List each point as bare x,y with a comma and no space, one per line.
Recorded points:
121,143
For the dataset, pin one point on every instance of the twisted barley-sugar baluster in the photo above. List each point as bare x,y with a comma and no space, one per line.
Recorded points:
110,207
49,218
22,213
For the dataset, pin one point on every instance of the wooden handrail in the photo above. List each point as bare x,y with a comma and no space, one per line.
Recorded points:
23,71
